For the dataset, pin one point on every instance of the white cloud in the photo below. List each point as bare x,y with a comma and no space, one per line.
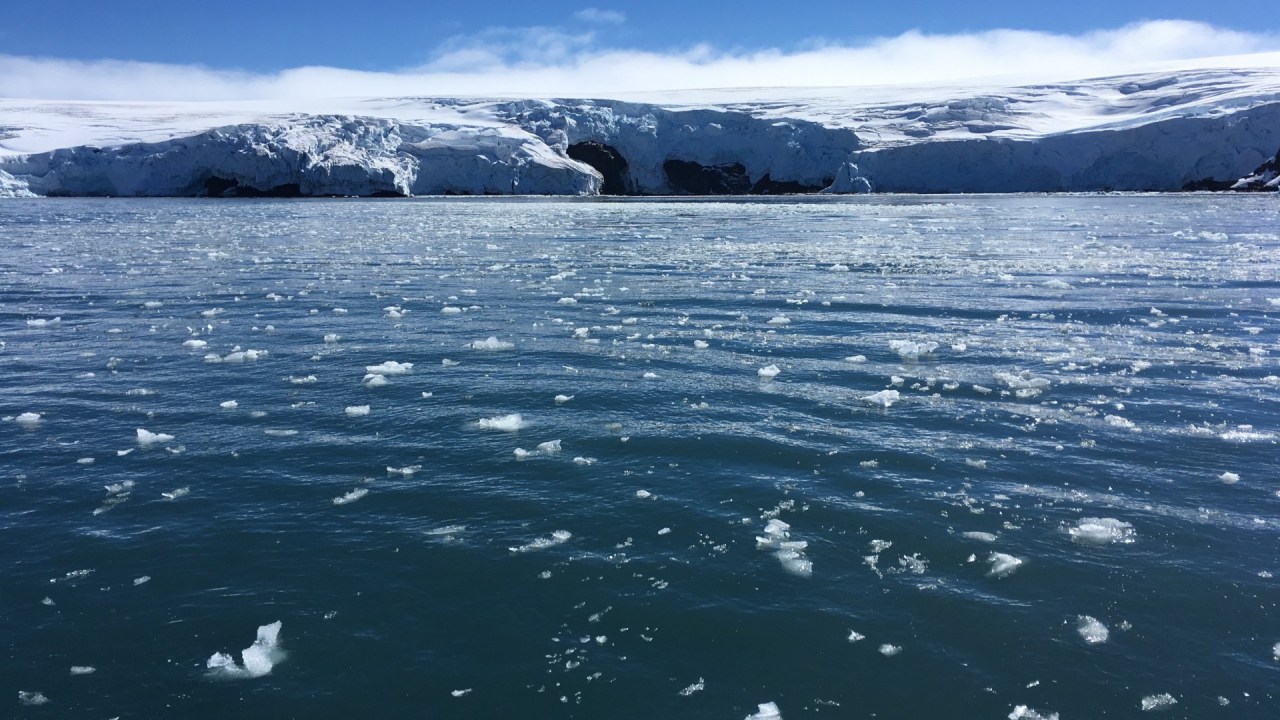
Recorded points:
597,16
552,62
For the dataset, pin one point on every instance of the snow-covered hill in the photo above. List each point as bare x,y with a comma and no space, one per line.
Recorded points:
1204,128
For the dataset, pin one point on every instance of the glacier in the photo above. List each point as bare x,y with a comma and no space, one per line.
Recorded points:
1213,128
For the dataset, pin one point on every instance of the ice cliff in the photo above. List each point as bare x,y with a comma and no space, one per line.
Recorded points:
1203,129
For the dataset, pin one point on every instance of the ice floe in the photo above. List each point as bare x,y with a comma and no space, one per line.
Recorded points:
390,367
777,537
505,423
83,670
31,697
176,493
229,405
1102,531
766,711
258,659
1092,630
1022,712
884,398
889,650
1163,701
147,438
28,420
768,372
491,344
44,322
910,350
351,497
1002,565
356,410
562,399
558,537
1229,478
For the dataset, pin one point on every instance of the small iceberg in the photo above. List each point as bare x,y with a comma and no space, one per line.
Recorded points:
147,438
768,372
390,367
258,659
505,423
492,344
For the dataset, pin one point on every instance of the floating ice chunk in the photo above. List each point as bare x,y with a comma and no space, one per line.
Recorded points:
450,310
280,433
351,497
650,376
768,372
1022,383
888,650
558,537
175,494
779,320
855,636
446,362
332,338
85,461
1093,631
1275,652
1163,701
522,454
83,670
259,658
550,447
373,380
1102,531
562,399
356,410
44,323
766,711
695,687
700,345
492,344
505,423
1022,712
1119,422
856,359
147,438
884,398
1002,565
31,697
644,494
980,536
839,267
1229,478
461,693
406,471
1056,285
141,580
790,553
28,420
229,405
195,344
390,367
212,312
910,351
567,301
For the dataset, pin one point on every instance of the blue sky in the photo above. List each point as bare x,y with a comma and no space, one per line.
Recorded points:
146,49
270,36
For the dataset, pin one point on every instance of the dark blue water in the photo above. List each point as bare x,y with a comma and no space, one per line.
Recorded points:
1070,506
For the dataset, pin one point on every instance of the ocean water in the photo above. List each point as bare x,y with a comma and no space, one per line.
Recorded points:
971,457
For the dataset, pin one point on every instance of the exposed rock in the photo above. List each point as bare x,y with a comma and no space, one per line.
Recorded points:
692,178
1266,178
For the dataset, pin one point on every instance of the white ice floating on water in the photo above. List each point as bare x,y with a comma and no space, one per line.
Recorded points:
492,344
1023,384
562,399
1275,652
768,372
83,670
551,447
176,493
31,697
373,380
44,322
1163,701
889,650
146,438
351,497
884,398
1102,531
777,537
1022,712
559,537
195,344
356,410
1229,478
28,420
390,367
229,405
258,659
1002,565
1092,630
505,423
910,350
766,711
